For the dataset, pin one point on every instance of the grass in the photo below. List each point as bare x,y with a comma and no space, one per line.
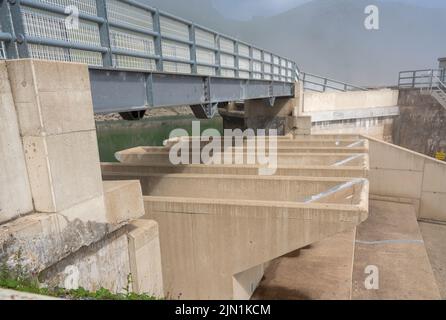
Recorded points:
17,279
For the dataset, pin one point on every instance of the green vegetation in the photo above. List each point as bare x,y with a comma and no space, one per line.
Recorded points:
114,136
18,279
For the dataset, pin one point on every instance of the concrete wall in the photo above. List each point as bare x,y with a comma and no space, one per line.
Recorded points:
77,230
408,176
420,126
15,192
379,128
351,100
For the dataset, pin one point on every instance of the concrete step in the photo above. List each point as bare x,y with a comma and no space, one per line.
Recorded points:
321,271
335,268
391,240
434,236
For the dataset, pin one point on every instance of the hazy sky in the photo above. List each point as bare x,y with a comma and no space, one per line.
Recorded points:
246,9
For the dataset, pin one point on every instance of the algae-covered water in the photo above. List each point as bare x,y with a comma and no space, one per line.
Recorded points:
114,136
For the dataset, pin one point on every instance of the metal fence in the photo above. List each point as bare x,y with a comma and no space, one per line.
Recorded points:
322,84
426,78
125,34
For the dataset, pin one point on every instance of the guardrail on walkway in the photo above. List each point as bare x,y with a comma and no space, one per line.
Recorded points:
322,84
425,78
126,34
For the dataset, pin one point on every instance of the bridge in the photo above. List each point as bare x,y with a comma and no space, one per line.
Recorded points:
141,57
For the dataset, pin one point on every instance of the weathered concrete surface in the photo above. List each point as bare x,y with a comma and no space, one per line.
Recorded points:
55,113
321,271
45,239
17,295
303,171
379,128
123,201
420,126
15,192
391,240
400,173
204,242
316,101
434,236
104,264
145,258
246,282
147,156
287,189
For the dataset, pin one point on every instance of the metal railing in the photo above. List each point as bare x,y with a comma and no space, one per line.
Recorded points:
322,84
125,34
426,78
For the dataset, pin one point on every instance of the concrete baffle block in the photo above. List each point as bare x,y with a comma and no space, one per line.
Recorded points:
123,201
299,125
15,192
55,113
145,258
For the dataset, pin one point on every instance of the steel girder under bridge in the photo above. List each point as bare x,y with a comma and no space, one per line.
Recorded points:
140,57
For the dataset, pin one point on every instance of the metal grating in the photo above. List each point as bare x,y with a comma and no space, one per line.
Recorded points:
123,13
173,28
267,68
61,54
127,62
256,66
84,6
176,50
243,50
243,75
176,67
243,64
206,70
131,41
267,57
52,26
204,38
256,54
2,51
227,60
205,56
227,45
135,40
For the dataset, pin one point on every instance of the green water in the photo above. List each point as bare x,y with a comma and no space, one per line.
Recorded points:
114,136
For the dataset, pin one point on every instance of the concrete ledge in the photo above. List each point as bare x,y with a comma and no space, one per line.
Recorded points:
145,258
123,201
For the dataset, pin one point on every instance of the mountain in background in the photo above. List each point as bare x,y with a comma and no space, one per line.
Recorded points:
328,37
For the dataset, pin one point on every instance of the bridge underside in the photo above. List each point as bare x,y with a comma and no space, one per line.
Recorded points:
123,91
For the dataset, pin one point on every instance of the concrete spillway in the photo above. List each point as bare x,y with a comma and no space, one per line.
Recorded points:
220,224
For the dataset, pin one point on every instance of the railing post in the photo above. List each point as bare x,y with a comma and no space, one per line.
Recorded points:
158,40
237,70
19,29
6,26
193,48
325,84
414,74
262,64
218,54
251,64
104,33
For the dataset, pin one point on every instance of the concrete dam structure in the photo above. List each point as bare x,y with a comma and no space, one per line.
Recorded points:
339,201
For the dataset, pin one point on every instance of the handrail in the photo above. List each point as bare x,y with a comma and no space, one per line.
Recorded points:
423,78
146,39
326,83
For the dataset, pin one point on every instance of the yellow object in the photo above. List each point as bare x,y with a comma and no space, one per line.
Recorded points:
440,156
